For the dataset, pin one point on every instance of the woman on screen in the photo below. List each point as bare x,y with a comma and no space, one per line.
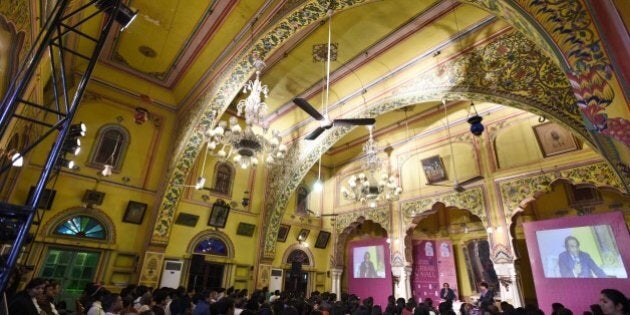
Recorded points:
367,270
574,263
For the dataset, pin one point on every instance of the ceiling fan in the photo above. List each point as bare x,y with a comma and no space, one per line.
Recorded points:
318,215
457,185
324,122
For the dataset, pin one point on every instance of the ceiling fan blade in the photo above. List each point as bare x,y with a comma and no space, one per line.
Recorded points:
440,185
471,180
313,135
308,108
354,121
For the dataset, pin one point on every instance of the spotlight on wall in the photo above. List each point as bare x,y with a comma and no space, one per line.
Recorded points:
107,170
476,127
17,160
66,163
124,16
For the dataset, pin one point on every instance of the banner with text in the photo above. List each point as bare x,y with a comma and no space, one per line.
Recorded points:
434,264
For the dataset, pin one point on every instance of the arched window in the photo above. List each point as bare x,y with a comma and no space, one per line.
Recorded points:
110,147
82,226
298,255
223,178
211,246
302,201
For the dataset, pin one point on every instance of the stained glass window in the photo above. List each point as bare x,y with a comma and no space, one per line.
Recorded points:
298,256
82,226
211,246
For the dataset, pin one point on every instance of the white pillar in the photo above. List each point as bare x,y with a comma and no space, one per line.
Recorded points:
336,281
400,280
510,291
408,270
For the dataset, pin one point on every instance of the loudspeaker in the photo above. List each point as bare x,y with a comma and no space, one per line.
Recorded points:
296,267
196,263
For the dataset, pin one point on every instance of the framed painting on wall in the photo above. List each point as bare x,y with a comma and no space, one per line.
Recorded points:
322,239
303,235
93,197
283,232
45,200
434,169
553,139
187,219
219,214
245,229
135,212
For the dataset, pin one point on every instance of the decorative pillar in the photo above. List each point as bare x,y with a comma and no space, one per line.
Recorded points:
399,277
510,290
336,281
408,270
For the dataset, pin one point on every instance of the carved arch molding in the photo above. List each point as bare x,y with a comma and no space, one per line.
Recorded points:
578,53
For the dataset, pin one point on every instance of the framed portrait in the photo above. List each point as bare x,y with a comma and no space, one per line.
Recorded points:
245,229
45,200
322,239
434,169
283,232
583,195
135,212
303,235
187,219
93,197
553,139
219,214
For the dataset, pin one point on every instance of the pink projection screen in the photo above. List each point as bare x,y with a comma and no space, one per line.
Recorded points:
369,268
586,254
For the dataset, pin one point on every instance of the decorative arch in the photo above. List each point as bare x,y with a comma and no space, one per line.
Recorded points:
454,79
581,59
410,224
211,234
68,214
342,238
110,146
223,178
298,247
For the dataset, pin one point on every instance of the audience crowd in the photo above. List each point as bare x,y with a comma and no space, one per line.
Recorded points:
38,298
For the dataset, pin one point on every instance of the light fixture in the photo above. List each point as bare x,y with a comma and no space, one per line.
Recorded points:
248,146
66,163
107,170
476,127
125,15
373,185
17,160
318,186
200,182
77,130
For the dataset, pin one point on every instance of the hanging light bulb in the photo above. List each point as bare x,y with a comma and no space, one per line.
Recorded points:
318,186
107,170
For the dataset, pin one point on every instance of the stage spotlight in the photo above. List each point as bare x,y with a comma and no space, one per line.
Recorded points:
72,145
66,163
17,160
125,15
77,130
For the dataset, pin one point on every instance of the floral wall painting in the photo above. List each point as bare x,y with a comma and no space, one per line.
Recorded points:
434,169
554,140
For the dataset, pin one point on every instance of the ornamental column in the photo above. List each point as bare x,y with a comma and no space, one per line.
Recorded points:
336,281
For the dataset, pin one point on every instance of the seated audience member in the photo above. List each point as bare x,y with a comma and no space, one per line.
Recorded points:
95,294
446,308
465,309
421,309
555,307
275,296
25,302
112,304
507,308
46,301
446,293
613,302
160,300
596,309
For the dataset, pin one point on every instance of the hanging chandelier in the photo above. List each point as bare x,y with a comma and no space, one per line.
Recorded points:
372,185
248,146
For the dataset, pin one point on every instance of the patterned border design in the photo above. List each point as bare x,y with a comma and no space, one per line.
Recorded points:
517,192
453,80
472,200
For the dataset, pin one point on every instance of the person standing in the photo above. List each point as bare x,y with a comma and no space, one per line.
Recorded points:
486,296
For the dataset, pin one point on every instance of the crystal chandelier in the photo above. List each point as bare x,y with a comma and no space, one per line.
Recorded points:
248,146
372,185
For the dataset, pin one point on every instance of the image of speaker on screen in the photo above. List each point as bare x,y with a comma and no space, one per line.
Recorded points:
574,263
369,262
580,252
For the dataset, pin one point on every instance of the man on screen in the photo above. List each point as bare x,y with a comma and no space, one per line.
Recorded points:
575,263
366,269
